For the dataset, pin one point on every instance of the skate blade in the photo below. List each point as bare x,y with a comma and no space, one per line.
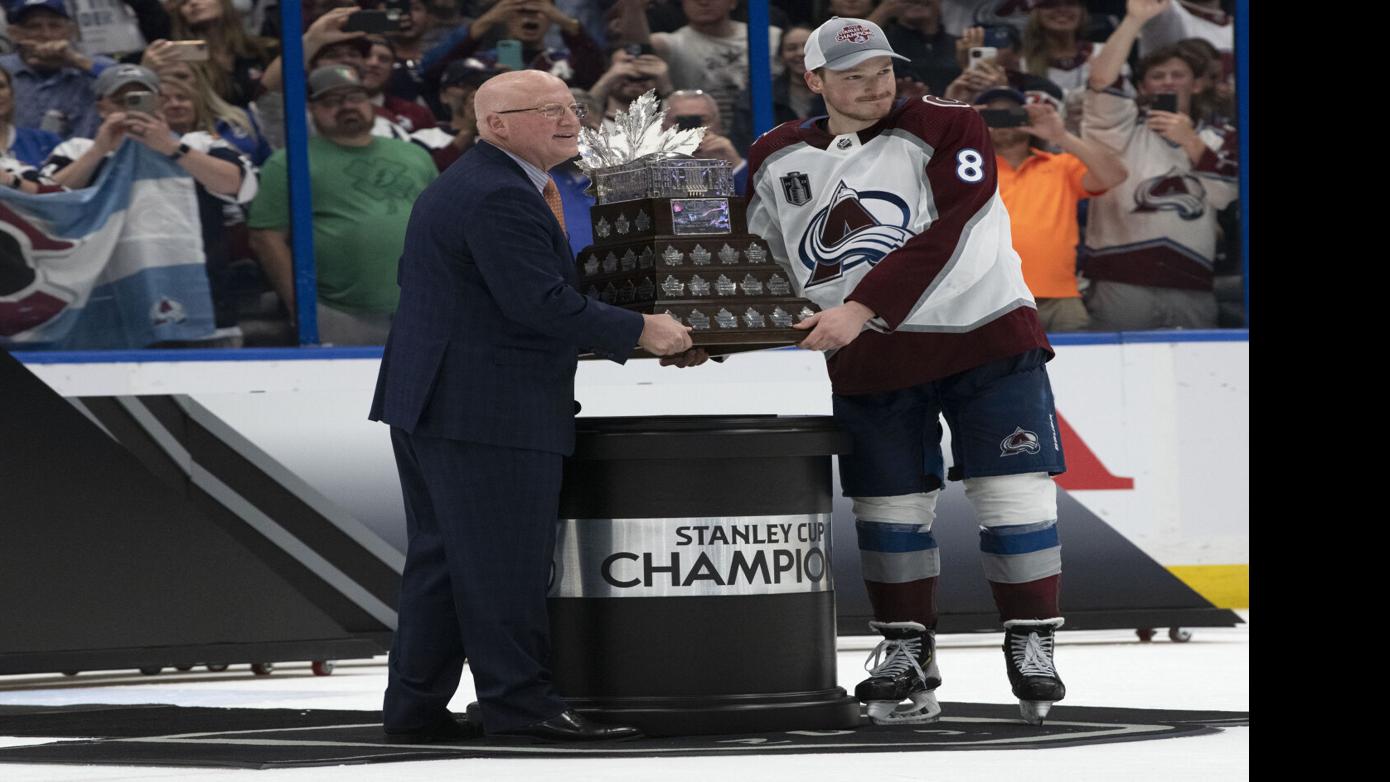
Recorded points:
1034,712
922,708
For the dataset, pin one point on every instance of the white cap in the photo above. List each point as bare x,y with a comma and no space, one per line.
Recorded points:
843,43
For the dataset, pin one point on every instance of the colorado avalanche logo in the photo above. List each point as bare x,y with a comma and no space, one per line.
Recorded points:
1021,441
854,33
1174,191
846,233
167,311
28,299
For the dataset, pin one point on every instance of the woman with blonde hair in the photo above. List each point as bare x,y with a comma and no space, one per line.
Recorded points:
1053,46
237,59
233,125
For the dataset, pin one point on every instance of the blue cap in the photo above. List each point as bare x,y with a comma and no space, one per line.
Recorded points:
18,9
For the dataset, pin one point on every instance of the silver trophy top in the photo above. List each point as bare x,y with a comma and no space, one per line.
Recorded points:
636,133
636,159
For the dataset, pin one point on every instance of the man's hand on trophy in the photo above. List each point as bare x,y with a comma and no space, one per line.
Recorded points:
835,327
663,335
690,358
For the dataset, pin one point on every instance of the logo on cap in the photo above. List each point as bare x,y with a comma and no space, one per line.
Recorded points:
854,33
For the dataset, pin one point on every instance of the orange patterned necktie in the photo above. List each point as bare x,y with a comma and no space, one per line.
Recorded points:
552,200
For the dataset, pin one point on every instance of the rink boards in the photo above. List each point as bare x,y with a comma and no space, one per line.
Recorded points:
1155,425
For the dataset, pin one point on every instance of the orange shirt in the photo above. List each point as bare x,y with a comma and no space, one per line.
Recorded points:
1041,196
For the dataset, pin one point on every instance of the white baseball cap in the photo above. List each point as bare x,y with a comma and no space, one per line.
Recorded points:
844,42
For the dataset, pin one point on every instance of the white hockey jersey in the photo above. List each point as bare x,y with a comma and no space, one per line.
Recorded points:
905,218
1158,227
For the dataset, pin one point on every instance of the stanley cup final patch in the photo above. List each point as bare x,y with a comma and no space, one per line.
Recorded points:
796,186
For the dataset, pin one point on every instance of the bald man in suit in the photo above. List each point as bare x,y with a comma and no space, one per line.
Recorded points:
477,384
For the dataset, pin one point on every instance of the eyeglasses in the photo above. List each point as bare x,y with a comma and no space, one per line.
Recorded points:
338,99
553,110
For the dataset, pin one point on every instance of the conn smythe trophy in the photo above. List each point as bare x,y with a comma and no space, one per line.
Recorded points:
670,236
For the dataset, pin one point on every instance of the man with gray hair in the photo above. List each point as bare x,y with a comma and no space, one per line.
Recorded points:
696,108
477,384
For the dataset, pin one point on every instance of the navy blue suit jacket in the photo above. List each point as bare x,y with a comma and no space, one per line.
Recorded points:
485,342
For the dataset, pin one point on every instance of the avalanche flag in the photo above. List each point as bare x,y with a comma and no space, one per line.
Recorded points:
115,265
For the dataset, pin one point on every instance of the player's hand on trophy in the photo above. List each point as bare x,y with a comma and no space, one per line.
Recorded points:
663,335
690,358
835,327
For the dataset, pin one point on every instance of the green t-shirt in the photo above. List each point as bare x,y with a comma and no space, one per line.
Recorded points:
362,198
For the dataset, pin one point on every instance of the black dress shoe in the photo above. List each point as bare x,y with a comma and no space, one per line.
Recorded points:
569,725
451,729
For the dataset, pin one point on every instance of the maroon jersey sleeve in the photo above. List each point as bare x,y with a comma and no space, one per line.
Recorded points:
765,145
961,178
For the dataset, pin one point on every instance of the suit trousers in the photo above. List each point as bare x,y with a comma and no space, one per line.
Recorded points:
480,521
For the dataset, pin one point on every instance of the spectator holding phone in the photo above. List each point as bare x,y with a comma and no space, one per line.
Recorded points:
1151,241
697,109
1003,70
326,42
51,78
131,108
1041,190
579,63
232,124
239,59
633,70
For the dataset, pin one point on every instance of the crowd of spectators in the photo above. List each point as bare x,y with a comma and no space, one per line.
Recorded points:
1120,182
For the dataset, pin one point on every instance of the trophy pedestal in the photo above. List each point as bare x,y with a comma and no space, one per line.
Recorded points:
692,590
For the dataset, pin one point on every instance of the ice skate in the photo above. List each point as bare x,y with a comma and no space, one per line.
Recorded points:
1028,657
903,676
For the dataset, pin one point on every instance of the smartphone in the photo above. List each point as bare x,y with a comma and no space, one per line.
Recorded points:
146,102
689,121
188,51
1166,101
639,49
1013,117
509,54
373,22
998,37
979,54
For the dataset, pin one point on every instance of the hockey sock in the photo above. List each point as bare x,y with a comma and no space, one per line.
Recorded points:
900,563
1030,600
913,601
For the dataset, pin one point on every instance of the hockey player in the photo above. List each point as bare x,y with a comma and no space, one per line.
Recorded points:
887,214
